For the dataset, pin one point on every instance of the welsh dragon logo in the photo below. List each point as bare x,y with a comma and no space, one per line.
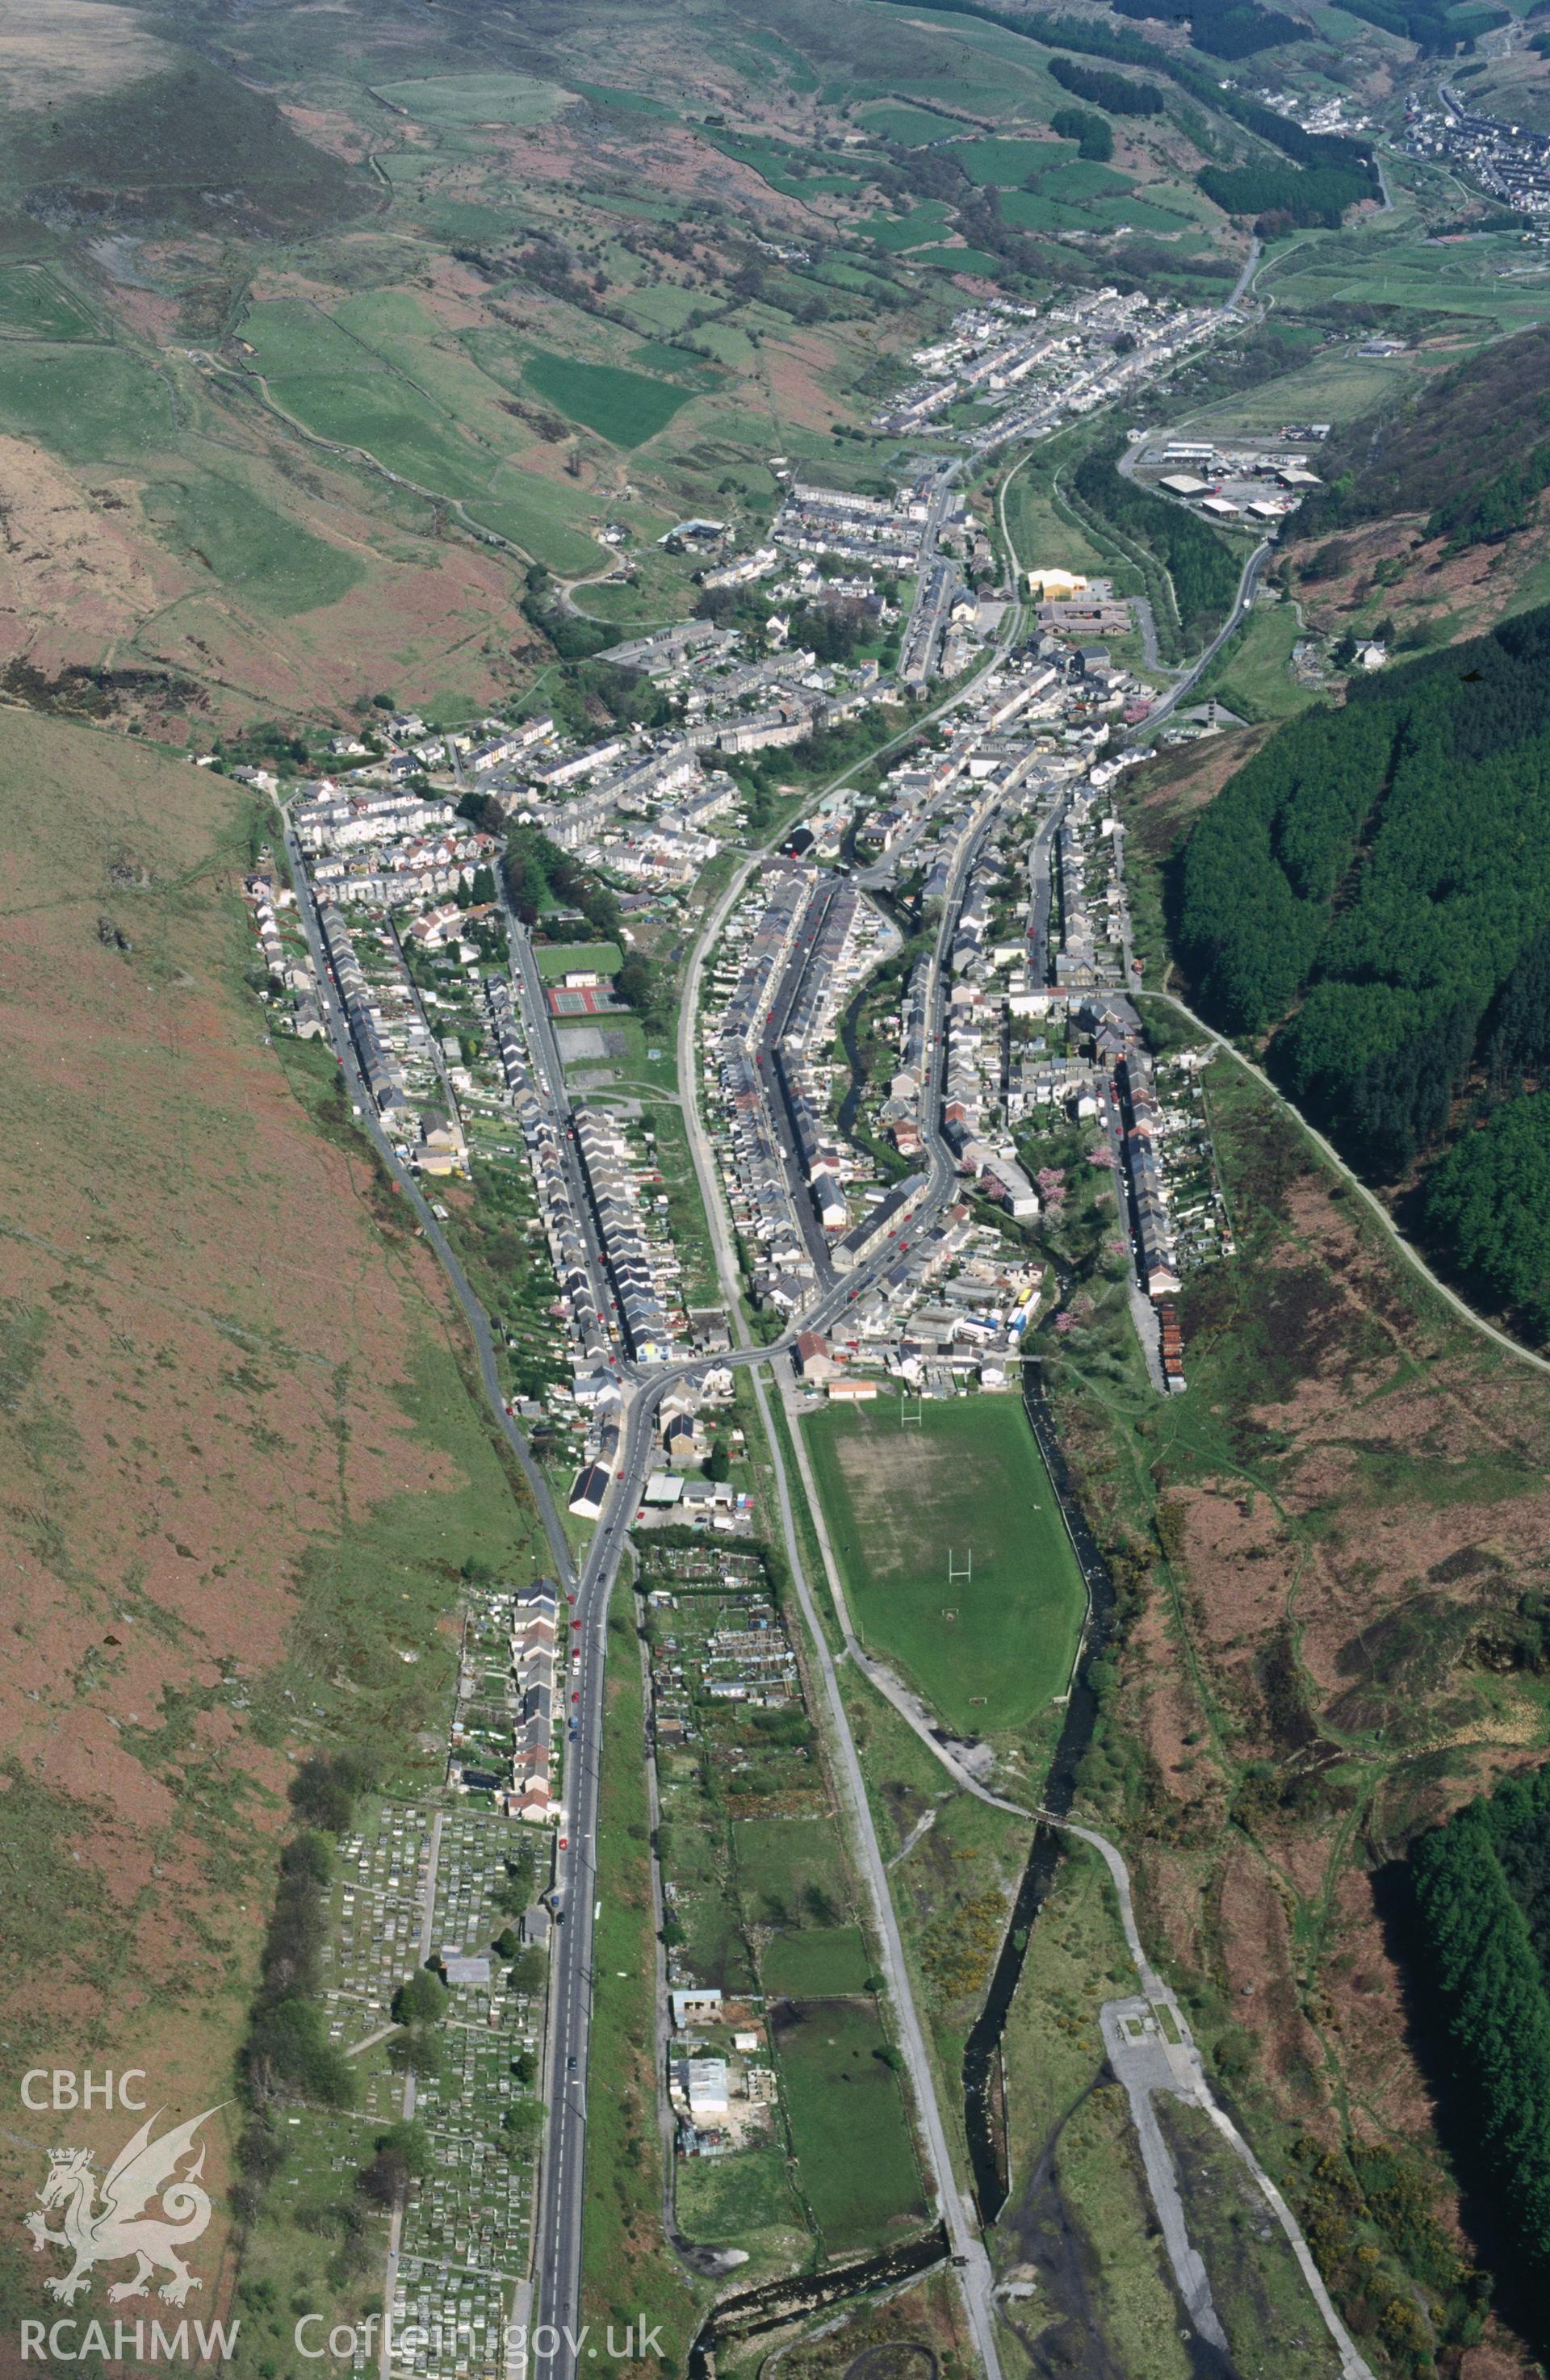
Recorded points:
93,2234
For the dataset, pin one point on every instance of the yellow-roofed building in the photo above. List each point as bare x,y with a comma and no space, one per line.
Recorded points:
1056,586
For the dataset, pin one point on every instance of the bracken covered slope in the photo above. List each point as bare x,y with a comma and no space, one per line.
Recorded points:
239,1472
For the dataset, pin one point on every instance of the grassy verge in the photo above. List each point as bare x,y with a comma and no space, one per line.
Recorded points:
626,2261
951,1890
1043,535
806,1538
1054,2052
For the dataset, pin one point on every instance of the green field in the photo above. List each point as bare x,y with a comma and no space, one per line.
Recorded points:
895,232
745,2200
1253,676
559,958
625,408
898,1500
782,167
259,556
1493,276
1032,210
289,336
1071,193
1045,535
383,377
623,2169
850,276
1069,177
34,306
666,307
390,419
913,128
635,606
847,2121
1135,214
1337,386
662,356
817,1963
629,102
952,62
957,259
454,103
790,1871
1005,163
89,403
714,1947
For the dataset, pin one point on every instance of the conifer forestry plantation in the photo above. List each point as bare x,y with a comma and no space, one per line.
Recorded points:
1372,892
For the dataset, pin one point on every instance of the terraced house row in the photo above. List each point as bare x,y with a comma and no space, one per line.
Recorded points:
848,940
533,1659
385,1079
540,1134
370,847
643,1268
762,939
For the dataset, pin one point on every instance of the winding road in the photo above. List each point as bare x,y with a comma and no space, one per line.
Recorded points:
1243,604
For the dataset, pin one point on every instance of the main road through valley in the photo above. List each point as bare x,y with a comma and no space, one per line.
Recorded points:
561,2188
560,2201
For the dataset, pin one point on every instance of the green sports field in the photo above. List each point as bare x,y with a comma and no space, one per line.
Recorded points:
987,1653
556,959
